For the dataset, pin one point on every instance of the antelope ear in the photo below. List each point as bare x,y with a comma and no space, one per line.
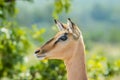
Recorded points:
70,25
59,25
72,28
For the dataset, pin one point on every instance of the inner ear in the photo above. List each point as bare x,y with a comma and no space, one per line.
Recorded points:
70,25
59,25
73,29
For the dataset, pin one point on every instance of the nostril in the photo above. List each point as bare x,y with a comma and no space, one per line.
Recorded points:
37,51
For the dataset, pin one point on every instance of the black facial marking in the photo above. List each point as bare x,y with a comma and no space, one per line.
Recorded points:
56,41
37,51
48,42
65,34
44,51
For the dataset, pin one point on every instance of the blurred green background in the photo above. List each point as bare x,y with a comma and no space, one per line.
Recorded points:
27,24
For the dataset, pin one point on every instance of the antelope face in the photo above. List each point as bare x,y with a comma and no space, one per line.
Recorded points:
62,45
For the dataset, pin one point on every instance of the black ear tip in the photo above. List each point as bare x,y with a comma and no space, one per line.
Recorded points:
69,19
55,21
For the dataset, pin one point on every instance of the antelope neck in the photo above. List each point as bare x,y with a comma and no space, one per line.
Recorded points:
75,66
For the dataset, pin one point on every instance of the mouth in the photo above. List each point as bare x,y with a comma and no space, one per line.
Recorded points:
40,57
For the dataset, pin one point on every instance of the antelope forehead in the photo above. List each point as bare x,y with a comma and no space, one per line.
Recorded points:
61,33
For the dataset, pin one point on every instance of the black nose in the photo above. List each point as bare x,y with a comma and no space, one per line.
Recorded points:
37,51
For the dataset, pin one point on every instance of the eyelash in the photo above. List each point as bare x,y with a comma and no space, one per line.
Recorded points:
61,39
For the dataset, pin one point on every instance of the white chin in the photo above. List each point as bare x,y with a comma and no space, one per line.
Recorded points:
41,58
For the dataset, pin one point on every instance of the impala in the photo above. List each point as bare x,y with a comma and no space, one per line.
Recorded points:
66,45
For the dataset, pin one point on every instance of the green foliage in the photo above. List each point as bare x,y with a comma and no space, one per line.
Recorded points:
97,67
114,35
100,67
37,34
16,41
48,70
60,5
13,46
7,7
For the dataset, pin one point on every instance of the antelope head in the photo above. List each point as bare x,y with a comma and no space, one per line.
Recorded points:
63,44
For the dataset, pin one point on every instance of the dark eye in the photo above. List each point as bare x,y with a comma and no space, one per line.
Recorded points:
63,38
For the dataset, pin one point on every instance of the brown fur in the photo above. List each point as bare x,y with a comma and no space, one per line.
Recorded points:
70,51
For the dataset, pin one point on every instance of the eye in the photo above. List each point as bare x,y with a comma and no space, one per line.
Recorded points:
63,38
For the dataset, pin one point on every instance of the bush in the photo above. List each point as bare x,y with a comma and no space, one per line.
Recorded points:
13,47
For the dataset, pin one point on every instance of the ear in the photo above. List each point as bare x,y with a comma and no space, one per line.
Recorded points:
72,28
59,25
70,25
